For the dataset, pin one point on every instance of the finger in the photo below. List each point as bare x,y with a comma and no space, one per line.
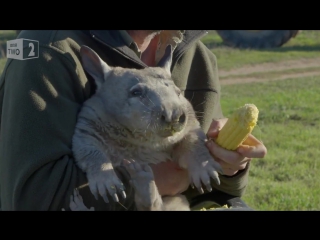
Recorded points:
63,209
216,165
242,166
223,164
256,151
235,167
251,141
228,156
215,127
229,172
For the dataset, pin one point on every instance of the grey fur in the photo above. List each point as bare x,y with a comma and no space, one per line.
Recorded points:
140,115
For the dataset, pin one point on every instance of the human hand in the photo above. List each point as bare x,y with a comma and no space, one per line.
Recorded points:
233,161
170,178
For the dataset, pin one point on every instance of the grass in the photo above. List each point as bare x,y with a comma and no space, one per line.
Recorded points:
5,35
305,45
289,122
287,178
2,63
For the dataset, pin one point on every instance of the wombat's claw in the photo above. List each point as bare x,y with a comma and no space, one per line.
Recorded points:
103,183
123,193
201,175
215,176
76,202
112,191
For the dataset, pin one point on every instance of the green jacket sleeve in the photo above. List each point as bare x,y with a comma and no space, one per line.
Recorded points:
199,66
39,100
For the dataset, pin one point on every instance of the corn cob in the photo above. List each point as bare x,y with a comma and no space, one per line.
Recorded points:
238,127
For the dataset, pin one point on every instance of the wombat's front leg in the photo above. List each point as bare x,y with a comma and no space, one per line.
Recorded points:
94,161
192,154
147,197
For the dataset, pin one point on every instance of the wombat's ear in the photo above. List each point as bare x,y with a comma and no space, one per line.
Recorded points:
94,65
166,60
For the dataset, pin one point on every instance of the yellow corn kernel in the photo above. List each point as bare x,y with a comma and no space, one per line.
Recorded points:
238,127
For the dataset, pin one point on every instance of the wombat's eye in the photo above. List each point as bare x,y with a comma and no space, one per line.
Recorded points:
136,92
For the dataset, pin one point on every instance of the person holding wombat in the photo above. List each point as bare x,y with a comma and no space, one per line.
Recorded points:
41,98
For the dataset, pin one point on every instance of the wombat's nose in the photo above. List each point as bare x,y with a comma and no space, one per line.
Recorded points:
173,118
182,118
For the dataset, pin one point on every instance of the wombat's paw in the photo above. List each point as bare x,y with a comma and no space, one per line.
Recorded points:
76,202
201,168
138,172
105,181
142,180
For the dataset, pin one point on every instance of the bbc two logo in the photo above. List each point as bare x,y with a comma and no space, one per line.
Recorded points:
22,49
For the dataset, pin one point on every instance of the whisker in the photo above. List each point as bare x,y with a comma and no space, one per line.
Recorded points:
200,104
145,105
192,97
198,112
150,100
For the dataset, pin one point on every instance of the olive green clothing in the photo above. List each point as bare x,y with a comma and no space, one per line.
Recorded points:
40,99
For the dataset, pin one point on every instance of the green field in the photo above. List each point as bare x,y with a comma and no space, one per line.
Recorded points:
289,120
5,35
287,178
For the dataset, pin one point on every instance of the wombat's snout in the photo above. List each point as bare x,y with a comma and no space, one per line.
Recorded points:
172,121
178,117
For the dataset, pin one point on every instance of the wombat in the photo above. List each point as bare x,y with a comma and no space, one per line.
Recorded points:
138,114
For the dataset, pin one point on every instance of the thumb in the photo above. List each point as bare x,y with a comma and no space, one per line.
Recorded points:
215,127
